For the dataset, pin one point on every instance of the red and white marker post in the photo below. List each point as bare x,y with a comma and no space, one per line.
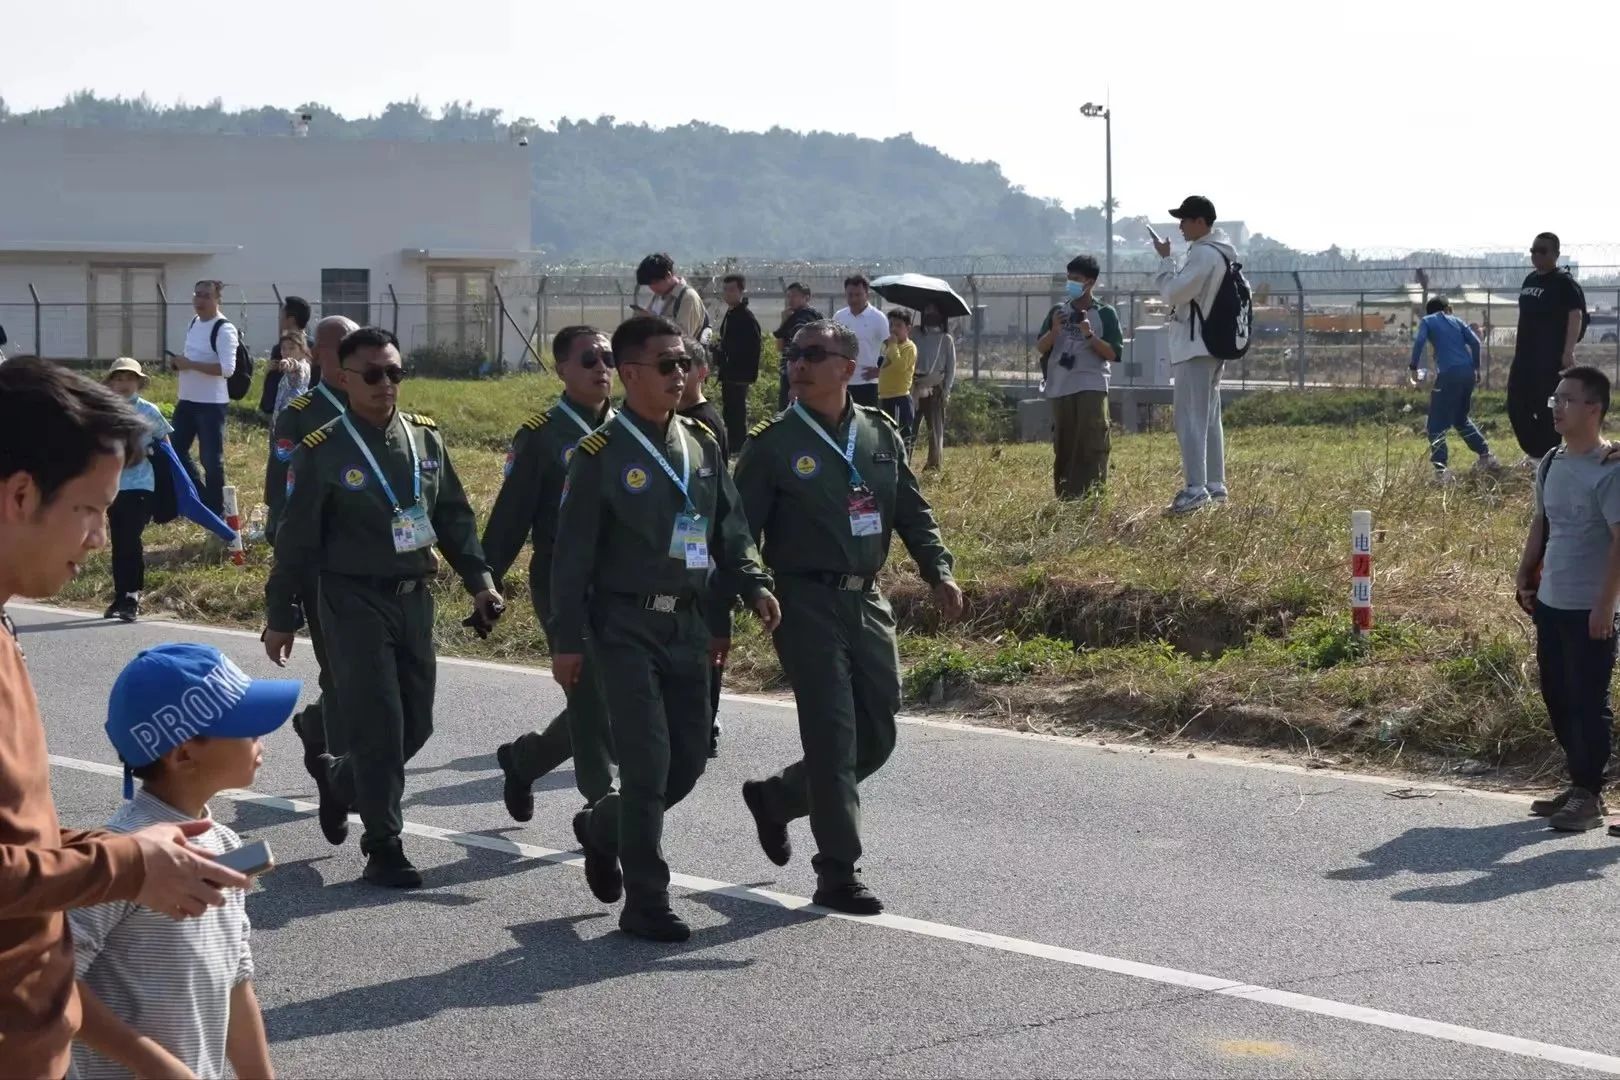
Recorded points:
1361,575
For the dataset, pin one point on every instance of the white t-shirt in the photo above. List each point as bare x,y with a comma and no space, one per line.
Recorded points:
872,327
208,389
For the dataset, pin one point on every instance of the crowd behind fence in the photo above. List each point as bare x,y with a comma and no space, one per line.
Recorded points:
1307,333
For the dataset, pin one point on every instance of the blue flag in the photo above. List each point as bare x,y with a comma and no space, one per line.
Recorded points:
187,504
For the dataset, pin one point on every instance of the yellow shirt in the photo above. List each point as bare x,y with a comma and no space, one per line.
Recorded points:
899,368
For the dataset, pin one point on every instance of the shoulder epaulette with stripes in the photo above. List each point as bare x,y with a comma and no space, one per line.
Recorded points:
701,426
763,424
301,402
315,438
421,421
875,411
593,443
536,421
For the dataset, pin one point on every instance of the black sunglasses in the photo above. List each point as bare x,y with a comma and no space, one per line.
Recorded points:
1540,251
666,365
374,375
591,357
811,354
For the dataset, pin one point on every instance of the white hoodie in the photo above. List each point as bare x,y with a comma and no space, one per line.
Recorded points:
1198,279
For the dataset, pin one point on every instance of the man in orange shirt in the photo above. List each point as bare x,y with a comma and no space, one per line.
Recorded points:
63,442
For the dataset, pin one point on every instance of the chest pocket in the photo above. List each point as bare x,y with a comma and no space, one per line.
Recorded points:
880,469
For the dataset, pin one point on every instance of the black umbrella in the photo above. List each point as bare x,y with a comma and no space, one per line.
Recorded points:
917,291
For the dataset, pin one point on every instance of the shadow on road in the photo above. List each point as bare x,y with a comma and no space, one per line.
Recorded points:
470,763
1480,850
24,629
484,790
548,956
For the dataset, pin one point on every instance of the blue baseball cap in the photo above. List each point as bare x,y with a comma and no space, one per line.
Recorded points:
173,693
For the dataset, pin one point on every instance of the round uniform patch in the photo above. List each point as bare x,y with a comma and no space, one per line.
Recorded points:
284,449
506,468
634,479
354,478
568,453
805,466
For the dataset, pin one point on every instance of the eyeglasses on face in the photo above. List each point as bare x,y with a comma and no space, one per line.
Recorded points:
666,365
1566,401
374,375
591,357
812,354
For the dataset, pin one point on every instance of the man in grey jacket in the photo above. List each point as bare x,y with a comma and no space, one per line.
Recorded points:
1190,288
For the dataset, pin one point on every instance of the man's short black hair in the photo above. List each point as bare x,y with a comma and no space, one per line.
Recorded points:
655,267
1596,383
735,279
697,351
857,279
298,308
55,423
636,331
1551,238
846,338
215,286
367,337
1086,266
799,287
1436,305
563,342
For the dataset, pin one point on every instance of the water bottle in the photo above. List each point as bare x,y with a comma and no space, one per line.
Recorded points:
254,532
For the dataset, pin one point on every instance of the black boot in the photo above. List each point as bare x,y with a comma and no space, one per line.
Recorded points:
847,894
602,872
314,747
333,812
388,866
773,834
654,924
515,791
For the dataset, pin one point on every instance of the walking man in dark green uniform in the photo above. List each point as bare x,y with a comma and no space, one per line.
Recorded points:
304,415
526,509
372,492
827,483
650,513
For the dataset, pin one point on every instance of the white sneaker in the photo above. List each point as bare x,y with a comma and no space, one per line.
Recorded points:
1187,502
1487,463
1217,492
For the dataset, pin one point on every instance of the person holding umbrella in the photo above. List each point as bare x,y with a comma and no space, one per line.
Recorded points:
936,374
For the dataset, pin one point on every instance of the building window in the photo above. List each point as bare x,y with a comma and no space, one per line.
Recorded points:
347,292
125,312
461,307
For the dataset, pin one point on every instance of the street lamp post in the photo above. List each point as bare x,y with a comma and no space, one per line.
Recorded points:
1093,110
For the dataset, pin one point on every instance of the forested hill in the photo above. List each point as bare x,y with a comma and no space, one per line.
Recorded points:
608,190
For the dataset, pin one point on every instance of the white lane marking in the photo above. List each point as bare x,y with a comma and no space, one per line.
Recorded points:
1339,1010
1073,742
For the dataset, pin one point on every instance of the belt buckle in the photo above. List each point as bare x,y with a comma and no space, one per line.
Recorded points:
851,583
664,605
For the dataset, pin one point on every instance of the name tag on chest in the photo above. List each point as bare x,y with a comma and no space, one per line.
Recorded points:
412,530
865,518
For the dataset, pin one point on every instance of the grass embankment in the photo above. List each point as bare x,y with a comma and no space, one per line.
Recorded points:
1230,624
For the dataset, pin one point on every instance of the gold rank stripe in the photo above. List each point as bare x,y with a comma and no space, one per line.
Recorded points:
315,438
762,425
701,426
299,403
420,420
534,422
593,443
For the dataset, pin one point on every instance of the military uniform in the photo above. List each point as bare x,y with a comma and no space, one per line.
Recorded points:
827,528
304,415
370,539
526,509
632,591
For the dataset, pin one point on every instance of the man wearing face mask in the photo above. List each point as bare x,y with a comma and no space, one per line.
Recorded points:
1079,340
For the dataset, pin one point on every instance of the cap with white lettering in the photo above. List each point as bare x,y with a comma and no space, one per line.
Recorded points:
173,693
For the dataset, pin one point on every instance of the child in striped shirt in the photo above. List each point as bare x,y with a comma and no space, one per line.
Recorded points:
164,995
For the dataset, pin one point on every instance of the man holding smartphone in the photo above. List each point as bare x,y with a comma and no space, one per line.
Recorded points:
1079,340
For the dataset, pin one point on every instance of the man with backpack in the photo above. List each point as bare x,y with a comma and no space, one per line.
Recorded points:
672,298
1552,319
1210,323
205,369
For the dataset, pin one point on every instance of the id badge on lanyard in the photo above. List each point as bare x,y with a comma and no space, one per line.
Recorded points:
689,540
865,515
411,529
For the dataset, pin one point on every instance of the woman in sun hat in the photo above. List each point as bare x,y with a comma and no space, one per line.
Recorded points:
132,509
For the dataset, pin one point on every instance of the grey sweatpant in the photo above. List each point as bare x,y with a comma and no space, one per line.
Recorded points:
1197,402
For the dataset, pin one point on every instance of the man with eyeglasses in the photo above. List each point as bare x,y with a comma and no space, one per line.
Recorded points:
526,510
1550,321
304,415
373,491
1569,583
827,484
650,514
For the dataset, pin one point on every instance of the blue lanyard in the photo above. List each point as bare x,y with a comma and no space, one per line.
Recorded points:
686,466
416,467
574,416
848,453
336,404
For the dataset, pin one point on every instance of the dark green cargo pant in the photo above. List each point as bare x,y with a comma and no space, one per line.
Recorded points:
655,676
311,719
838,650
383,667
581,730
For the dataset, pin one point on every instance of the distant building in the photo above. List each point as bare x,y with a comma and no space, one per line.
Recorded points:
105,224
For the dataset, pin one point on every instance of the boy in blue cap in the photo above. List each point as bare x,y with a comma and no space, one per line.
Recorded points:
163,997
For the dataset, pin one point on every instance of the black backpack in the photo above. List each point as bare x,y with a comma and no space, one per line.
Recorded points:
1586,316
1229,322
240,380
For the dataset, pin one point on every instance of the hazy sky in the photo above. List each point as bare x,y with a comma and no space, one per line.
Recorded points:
1370,125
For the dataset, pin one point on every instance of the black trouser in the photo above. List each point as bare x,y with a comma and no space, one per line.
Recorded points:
864,394
734,406
1575,675
126,519
1531,381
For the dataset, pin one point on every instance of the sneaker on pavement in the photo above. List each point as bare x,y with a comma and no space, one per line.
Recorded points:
1583,811
773,834
333,812
851,897
388,866
602,871
516,792
1187,502
654,924
1549,807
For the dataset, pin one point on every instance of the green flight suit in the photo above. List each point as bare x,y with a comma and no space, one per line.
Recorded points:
644,619
304,415
526,510
837,639
339,521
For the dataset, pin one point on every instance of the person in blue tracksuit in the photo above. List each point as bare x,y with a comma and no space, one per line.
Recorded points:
1456,372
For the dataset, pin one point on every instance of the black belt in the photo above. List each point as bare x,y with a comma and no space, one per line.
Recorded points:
663,603
398,586
841,582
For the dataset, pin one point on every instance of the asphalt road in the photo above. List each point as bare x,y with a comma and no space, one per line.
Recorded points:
1056,909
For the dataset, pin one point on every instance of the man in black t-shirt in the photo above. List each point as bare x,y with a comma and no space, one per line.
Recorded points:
1549,326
